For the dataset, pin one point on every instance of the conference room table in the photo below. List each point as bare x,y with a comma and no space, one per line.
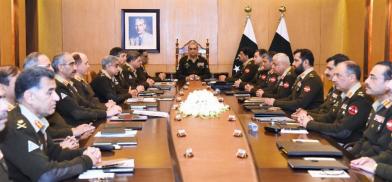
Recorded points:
159,154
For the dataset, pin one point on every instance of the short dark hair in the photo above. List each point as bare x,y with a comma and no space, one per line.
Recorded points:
248,51
388,72
353,68
116,51
6,72
306,54
77,58
140,51
338,58
132,56
264,53
31,78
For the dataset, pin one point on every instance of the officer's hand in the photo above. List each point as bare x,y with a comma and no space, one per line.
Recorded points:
162,76
365,163
237,83
222,78
248,87
70,143
94,154
298,113
269,101
133,92
110,103
304,120
150,81
79,130
259,93
112,112
140,88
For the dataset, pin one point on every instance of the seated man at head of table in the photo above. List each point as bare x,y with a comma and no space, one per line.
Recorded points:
332,100
29,152
376,144
307,90
265,76
286,78
350,119
71,106
193,65
104,86
58,128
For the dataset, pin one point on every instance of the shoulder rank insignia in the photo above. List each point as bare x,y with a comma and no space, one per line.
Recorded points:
10,107
311,75
20,124
361,94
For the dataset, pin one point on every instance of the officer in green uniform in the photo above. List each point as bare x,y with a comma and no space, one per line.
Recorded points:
349,122
263,61
286,77
374,150
193,64
29,152
332,100
104,86
307,90
73,108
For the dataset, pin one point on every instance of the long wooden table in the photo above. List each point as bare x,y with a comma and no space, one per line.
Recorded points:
159,153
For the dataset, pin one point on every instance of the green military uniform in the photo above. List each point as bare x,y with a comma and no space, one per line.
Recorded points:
384,171
105,89
74,109
265,82
3,169
284,85
306,93
199,67
86,92
31,155
378,134
331,103
350,119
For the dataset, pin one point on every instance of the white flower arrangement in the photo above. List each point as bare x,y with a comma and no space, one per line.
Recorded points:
202,103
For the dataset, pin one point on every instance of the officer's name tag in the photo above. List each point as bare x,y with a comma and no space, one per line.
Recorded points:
379,118
200,64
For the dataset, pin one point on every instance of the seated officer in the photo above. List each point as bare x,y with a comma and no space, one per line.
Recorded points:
257,60
286,77
73,108
130,67
377,138
332,100
84,89
265,77
29,152
58,128
307,90
3,119
119,79
193,64
349,121
142,71
104,86
375,148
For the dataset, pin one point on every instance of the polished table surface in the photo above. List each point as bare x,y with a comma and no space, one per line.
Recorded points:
159,152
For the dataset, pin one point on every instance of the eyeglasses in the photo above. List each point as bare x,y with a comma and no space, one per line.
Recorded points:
70,63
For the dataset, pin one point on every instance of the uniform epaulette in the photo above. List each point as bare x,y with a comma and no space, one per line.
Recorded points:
360,93
311,75
10,107
21,124
387,103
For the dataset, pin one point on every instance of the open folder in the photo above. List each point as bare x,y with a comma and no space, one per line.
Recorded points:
297,149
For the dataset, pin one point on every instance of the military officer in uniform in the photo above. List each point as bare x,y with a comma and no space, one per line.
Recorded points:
349,122
73,108
264,73
249,69
4,108
133,62
286,77
104,86
333,99
307,90
193,65
374,150
29,152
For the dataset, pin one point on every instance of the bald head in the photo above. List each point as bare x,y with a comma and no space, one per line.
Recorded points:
280,62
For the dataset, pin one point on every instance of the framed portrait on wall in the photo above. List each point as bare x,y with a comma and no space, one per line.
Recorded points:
140,29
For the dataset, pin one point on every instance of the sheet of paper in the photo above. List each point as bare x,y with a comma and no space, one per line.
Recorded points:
274,119
328,174
289,131
96,174
305,140
152,113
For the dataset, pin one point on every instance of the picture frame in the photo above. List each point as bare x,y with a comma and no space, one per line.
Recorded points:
140,29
